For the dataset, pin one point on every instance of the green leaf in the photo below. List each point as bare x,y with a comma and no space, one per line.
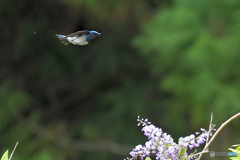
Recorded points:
235,158
233,150
5,156
238,148
237,151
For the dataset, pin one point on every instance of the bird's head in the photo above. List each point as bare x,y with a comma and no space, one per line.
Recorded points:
92,35
95,33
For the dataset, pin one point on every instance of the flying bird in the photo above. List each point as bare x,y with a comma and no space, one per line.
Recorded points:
79,37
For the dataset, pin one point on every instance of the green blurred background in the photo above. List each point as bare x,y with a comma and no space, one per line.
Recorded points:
173,62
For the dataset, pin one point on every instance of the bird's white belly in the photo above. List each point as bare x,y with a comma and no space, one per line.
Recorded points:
81,40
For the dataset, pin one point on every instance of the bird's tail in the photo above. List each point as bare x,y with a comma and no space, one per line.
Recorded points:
63,39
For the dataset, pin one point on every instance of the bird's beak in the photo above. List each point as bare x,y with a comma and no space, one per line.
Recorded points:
99,34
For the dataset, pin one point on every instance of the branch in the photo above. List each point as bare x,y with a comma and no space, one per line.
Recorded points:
13,151
101,146
82,145
217,132
200,153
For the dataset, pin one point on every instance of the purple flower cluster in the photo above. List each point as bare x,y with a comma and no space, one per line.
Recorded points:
192,141
162,145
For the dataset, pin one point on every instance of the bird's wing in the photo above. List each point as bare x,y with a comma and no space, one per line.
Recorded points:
77,33
63,39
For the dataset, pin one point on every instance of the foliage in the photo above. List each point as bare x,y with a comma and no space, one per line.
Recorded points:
193,49
5,156
53,97
68,102
237,150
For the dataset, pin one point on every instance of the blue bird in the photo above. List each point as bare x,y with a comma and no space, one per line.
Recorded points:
79,37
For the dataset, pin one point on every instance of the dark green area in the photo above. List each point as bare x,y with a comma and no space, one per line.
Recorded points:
173,62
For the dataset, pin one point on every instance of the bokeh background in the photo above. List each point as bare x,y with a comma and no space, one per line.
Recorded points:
171,61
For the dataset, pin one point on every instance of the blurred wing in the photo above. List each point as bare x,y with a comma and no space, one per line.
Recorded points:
76,34
63,39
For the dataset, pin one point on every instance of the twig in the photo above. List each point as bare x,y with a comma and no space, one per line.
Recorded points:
200,153
217,132
210,128
13,151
